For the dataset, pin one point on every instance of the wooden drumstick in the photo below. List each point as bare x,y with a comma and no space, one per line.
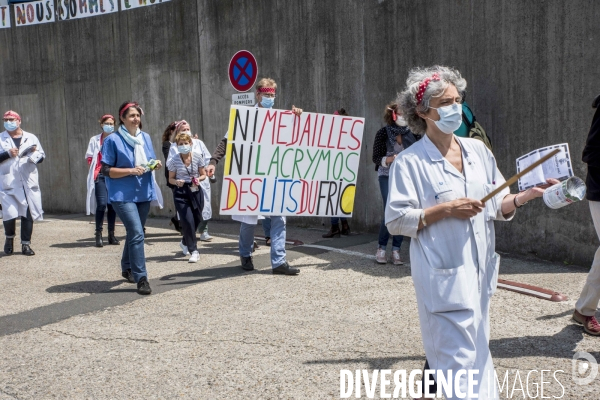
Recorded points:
514,178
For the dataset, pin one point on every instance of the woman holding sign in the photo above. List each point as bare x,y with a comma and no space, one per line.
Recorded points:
128,162
435,191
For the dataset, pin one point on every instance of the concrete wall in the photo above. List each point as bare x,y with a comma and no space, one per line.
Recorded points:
530,68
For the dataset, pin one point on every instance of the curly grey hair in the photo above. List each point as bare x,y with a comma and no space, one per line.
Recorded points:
407,100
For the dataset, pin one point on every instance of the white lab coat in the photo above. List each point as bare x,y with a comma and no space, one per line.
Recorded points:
453,262
199,148
92,151
19,184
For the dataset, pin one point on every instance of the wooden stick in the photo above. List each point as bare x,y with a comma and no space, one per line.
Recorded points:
514,178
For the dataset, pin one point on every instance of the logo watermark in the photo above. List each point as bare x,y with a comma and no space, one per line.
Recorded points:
584,372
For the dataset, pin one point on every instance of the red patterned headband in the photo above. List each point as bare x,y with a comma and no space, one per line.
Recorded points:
12,114
128,106
266,90
107,116
423,87
179,124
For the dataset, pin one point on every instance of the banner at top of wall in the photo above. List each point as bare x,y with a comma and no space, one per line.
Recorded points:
33,13
131,4
73,9
280,164
4,17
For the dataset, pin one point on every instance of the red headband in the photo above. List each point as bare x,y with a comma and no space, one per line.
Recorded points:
266,90
394,115
12,114
423,87
179,124
107,116
128,106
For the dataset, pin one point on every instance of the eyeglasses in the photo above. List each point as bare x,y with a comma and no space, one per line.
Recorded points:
9,119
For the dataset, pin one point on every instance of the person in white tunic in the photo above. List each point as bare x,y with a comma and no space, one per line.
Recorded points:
199,149
434,197
20,196
97,194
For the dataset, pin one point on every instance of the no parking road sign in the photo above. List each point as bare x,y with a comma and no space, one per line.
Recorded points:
243,71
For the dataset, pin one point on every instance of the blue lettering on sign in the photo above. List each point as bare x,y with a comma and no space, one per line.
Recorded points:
243,67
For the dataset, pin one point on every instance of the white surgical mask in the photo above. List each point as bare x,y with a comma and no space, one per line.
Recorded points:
184,149
450,118
400,121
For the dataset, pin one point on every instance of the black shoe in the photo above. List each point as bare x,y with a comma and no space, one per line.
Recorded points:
268,241
255,246
176,224
112,239
285,269
8,246
26,250
345,228
99,242
247,263
128,276
144,286
334,231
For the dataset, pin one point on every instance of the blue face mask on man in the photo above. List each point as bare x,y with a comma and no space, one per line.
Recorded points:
10,125
267,102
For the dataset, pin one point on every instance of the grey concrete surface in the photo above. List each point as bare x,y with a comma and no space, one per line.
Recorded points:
71,328
529,66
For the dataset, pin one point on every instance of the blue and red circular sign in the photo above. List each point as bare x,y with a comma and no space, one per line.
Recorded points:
243,71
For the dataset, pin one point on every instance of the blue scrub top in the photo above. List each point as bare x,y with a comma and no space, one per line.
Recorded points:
116,152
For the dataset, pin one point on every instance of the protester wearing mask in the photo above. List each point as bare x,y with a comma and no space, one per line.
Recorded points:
128,163
434,197
97,195
200,150
266,90
168,138
20,196
186,172
390,140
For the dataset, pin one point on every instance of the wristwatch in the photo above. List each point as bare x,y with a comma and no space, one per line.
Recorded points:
423,218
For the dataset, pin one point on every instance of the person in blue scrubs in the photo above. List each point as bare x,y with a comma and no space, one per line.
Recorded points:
131,188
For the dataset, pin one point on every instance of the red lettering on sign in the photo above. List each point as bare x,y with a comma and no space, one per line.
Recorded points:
231,183
268,118
255,194
342,132
279,126
354,137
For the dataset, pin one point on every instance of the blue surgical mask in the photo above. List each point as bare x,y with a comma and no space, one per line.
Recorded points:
10,125
267,102
184,149
108,128
450,118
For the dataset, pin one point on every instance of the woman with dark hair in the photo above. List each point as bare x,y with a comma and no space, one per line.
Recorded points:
128,161
335,221
168,138
390,140
97,195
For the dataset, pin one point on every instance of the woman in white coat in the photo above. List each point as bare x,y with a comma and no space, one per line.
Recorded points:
97,194
20,152
199,149
434,197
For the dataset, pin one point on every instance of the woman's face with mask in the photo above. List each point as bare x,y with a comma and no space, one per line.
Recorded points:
445,111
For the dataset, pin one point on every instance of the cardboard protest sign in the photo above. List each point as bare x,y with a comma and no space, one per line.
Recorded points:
73,9
4,17
131,4
280,164
33,13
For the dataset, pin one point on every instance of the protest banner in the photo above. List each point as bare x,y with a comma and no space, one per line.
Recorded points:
4,17
131,4
74,9
33,13
281,164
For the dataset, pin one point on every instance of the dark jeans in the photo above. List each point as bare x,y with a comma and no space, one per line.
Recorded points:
10,227
336,220
102,204
189,207
384,235
134,217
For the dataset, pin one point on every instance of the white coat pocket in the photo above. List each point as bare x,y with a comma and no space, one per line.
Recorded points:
491,271
449,289
490,205
445,196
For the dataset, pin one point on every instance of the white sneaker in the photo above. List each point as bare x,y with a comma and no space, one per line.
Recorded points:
205,237
380,256
396,257
195,257
184,249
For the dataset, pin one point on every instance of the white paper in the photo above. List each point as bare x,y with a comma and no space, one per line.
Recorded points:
558,167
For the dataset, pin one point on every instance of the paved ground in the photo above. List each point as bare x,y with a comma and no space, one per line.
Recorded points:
71,328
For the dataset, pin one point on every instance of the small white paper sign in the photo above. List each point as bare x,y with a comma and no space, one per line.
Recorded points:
558,167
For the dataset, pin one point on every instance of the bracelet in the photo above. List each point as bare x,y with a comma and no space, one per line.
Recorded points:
517,205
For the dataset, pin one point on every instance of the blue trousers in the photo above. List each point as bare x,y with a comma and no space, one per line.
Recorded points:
134,217
278,235
384,234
